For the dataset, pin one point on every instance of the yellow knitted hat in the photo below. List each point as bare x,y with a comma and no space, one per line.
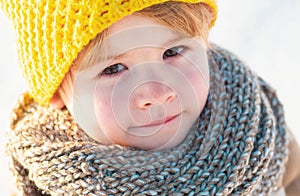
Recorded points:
51,33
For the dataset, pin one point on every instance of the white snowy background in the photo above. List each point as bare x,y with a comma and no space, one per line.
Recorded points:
265,34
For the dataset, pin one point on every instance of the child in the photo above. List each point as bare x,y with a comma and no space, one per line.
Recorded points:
129,97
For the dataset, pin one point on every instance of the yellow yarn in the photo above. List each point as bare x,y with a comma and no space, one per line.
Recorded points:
51,33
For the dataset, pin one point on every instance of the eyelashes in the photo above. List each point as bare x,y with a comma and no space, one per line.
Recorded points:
118,68
172,52
114,69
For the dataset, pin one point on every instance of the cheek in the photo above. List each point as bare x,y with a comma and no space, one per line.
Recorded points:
111,109
103,108
199,81
106,118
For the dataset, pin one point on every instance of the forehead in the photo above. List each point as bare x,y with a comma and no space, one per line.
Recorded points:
136,31
129,22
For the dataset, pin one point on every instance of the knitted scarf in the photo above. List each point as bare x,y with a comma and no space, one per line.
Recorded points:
237,146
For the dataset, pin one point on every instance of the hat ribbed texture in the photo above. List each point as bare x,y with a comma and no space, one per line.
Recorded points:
51,33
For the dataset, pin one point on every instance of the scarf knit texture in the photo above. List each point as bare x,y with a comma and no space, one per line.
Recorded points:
237,146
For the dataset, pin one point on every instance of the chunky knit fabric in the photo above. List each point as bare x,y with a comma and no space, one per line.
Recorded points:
238,146
51,33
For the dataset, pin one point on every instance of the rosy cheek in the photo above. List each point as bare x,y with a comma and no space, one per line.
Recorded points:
103,110
200,84
106,121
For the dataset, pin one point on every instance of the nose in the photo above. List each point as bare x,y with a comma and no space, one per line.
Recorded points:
152,93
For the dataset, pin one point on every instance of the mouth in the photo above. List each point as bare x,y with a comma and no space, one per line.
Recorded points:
152,127
161,122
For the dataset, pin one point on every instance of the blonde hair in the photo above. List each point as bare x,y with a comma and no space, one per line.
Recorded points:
192,19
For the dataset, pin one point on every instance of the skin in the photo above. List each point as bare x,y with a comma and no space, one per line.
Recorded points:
146,92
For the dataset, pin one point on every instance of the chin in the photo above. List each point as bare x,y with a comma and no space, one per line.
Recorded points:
158,145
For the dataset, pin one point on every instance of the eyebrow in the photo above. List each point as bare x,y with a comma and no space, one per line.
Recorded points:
178,38
174,40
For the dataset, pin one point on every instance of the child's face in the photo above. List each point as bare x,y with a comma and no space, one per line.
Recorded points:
146,88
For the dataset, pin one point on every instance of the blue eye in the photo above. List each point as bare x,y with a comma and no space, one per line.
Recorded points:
172,52
114,69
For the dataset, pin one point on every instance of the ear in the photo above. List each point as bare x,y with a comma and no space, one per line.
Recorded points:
56,101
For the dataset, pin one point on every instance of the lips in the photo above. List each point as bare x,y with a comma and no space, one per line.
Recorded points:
152,127
160,122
